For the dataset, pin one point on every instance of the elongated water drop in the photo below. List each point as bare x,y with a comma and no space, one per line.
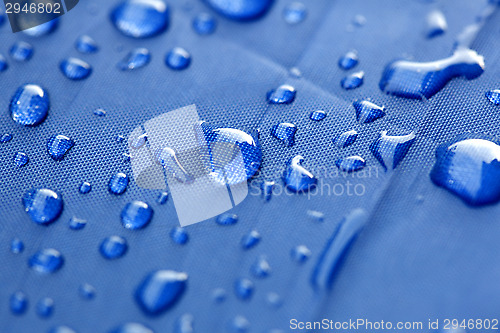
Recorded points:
250,240
75,69
76,223
241,10
46,261
227,219
58,146
5,138
353,81
118,183
3,64
136,59
345,139
348,60
284,94
351,163
367,112
113,247
390,150
316,216
141,18
18,303
136,215
162,198
318,115
185,324
43,205
86,44
267,188
296,177
285,132
16,246
493,96
21,51
30,105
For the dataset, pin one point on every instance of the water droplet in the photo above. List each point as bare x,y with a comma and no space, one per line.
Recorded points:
419,80
43,205
267,189
46,261
274,299
132,328
86,44
179,235
390,150
137,58
3,64
295,13
337,247
178,59
167,158
62,329
345,139
285,94
160,291
296,177
243,10
348,60
240,324
300,254
261,268
30,105
16,246
136,215
85,187
139,142
18,303
120,138
5,138
113,247
493,96
100,112
295,72
42,29
243,289
58,146
86,291
353,81
204,24
285,132
185,324
351,163
436,24
316,216
141,18
219,295
469,167
77,224
318,115
45,307
21,159
359,20
75,69
250,240
162,198
118,183
227,219
366,111
21,51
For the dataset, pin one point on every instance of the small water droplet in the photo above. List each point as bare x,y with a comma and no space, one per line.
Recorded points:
86,44
42,29
219,295
16,246
141,18
345,139
348,60
120,138
162,198
85,187
204,24
285,132
261,268
267,189
436,24
185,324
132,328
21,159
296,177
250,240
118,183
367,112
21,51
351,163
240,324
419,80
58,146
139,142
62,329
46,261
243,289
5,138
353,81
75,69
227,219
113,247
77,224
100,112
295,72
30,105
178,59
493,96
86,291
359,20
274,299
137,58
300,254
43,205
316,216
3,64
243,10
285,94
160,291
45,307
318,115
390,150
18,303
295,13
136,215
179,235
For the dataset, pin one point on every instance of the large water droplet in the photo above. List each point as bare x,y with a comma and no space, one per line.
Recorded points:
366,111
30,105
118,183
136,215
43,205
337,247
493,96
351,163
296,177
132,328
436,24
345,139
178,59
16,246
250,240
21,51
348,60
204,24
21,159
18,303
419,80
390,150
45,307
86,44
285,132
3,64
283,95
42,29
243,289
160,291
76,223
295,13
318,115
75,69
241,10
469,167
353,81
300,254
185,324
46,261
113,247
58,146
136,59
261,268
227,219
141,18
179,235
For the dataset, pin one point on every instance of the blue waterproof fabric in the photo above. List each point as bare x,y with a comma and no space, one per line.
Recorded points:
423,253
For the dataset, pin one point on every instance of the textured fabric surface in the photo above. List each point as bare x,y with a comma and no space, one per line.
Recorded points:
423,253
